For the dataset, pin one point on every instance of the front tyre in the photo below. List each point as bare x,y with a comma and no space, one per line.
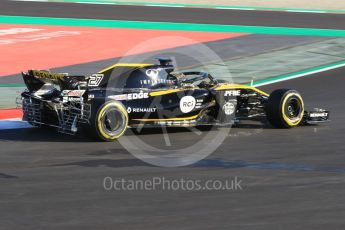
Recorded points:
110,121
285,108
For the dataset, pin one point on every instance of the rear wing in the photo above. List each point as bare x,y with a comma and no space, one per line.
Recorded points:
35,79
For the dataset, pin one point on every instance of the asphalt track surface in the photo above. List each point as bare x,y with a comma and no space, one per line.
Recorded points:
168,14
291,179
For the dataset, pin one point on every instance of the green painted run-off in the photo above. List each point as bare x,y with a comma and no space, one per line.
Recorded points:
170,26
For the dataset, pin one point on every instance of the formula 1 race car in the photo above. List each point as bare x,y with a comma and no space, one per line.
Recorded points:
152,95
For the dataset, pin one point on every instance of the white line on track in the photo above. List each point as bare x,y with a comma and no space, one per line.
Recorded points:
300,75
308,11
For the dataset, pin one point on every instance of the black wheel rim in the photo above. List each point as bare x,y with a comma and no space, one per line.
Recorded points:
293,108
113,121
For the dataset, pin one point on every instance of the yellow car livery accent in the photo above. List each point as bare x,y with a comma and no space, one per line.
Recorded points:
164,92
237,86
124,65
99,122
285,117
171,119
48,75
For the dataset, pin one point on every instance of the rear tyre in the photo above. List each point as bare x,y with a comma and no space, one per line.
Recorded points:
110,121
285,108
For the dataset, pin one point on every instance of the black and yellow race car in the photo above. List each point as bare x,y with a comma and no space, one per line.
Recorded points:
152,95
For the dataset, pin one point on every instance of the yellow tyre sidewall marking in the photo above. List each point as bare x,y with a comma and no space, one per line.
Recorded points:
99,122
285,117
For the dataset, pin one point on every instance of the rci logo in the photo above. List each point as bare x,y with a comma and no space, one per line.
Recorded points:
187,104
